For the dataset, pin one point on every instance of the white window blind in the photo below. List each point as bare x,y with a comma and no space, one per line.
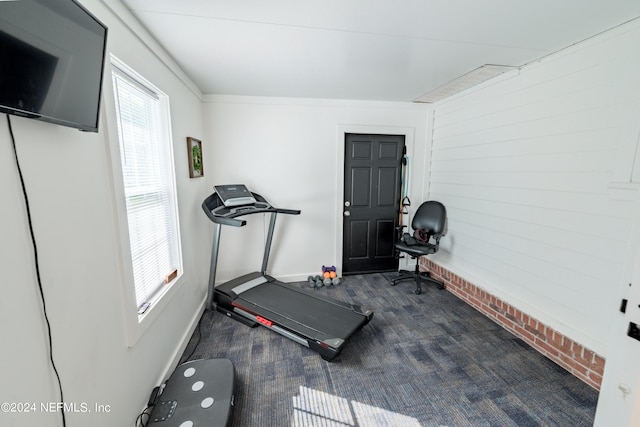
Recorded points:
147,169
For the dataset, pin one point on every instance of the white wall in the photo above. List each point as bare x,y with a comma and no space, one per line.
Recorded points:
290,151
534,168
72,195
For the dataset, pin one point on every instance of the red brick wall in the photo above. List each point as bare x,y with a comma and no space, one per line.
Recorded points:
575,358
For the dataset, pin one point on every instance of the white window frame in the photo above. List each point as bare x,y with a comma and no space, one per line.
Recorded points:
137,323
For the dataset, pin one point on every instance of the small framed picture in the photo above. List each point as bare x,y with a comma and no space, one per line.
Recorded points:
194,146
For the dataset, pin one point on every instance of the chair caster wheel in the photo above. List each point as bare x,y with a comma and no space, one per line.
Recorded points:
393,283
440,286
417,291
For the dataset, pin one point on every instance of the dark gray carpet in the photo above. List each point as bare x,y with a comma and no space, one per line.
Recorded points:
423,360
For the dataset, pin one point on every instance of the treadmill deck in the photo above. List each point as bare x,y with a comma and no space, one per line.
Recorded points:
321,323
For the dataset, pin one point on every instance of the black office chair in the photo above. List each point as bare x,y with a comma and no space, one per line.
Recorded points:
429,224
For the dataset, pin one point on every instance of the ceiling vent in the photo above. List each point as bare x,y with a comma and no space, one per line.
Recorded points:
472,78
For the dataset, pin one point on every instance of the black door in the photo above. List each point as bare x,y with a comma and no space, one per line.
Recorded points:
372,173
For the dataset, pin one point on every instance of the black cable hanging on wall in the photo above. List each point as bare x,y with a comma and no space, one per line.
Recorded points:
37,267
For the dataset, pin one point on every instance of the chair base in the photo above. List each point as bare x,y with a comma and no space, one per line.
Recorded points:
419,277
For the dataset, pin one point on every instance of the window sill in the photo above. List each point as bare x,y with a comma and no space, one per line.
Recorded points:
138,324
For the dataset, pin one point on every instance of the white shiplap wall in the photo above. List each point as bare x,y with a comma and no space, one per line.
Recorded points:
524,165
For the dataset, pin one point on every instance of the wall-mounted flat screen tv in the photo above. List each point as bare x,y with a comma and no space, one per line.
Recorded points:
52,55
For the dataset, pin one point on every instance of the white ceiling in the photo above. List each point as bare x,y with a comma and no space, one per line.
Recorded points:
387,50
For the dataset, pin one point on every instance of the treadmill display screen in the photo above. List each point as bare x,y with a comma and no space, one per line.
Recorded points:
235,195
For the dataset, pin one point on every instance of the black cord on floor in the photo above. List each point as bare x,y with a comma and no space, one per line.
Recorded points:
140,420
193,350
37,266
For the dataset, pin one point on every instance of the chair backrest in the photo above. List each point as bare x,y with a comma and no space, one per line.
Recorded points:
431,216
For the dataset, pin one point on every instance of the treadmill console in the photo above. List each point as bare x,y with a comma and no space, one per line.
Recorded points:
235,195
229,202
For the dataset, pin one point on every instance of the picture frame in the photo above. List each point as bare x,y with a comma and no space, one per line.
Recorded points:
194,148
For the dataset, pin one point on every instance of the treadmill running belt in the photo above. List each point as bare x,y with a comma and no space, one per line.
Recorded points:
288,306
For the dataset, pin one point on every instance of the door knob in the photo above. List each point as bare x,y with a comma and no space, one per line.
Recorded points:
347,213
347,203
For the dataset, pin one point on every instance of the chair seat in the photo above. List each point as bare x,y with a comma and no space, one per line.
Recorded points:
417,249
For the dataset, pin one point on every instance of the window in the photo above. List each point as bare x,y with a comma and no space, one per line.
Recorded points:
142,116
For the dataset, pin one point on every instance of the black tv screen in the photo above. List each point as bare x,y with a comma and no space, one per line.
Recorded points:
52,56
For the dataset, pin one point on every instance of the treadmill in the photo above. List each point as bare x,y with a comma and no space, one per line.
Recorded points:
317,322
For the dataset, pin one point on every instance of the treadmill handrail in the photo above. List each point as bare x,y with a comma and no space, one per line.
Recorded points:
288,211
212,205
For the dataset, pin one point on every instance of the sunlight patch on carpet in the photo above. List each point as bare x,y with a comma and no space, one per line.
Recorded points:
313,408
